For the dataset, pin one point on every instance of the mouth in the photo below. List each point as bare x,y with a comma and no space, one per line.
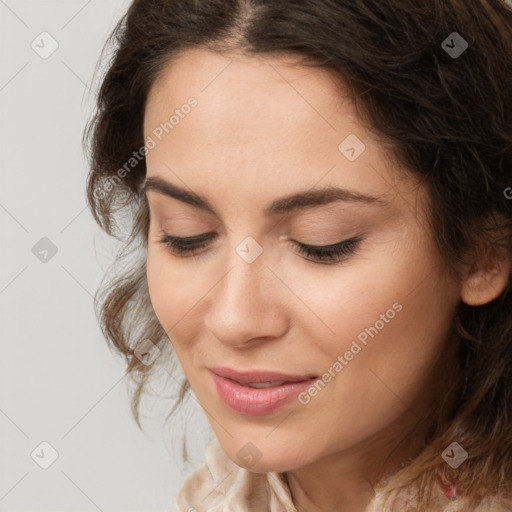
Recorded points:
261,385
259,392
255,377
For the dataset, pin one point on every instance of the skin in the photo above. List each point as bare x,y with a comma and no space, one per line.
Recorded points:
265,128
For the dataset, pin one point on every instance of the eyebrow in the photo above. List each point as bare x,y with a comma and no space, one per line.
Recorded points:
293,202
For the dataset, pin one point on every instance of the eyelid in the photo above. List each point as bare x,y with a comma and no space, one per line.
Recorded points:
186,247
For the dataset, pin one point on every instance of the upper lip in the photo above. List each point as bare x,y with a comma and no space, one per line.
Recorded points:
258,375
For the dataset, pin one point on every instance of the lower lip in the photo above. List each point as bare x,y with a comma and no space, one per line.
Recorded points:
257,401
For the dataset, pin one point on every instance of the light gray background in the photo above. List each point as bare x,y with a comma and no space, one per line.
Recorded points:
60,383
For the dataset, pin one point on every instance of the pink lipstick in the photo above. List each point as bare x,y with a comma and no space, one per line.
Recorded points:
257,393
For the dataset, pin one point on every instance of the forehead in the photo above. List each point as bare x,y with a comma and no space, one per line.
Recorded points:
246,100
263,82
261,123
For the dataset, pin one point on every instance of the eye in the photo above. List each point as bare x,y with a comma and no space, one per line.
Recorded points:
333,253
184,246
329,253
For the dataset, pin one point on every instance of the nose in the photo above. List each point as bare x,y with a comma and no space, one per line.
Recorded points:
247,306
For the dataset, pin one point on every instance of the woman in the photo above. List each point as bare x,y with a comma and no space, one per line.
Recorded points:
322,190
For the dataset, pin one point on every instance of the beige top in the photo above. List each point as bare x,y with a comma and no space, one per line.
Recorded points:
220,485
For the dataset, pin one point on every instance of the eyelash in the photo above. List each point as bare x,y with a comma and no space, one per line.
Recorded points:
323,254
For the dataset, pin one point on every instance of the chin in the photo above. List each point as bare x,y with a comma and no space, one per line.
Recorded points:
271,459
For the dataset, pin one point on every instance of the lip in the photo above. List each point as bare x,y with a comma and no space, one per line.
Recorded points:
258,401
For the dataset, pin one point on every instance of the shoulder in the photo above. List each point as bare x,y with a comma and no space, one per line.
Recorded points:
494,504
405,500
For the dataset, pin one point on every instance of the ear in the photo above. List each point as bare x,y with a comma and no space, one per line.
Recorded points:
487,277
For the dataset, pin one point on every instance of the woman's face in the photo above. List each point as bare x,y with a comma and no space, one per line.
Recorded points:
370,324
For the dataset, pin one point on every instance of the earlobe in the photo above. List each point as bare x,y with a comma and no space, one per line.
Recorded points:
487,278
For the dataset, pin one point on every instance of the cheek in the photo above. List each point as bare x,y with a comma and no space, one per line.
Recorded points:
166,289
390,341
397,294
177,297
158,285
389,315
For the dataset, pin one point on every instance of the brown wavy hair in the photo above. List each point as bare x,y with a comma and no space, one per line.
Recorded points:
447,120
